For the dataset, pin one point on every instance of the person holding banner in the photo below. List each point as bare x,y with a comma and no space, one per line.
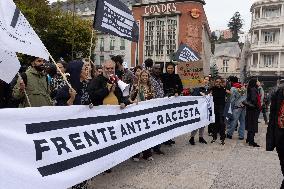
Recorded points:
144,91
103,89
201,91
34,83
78,95
172,86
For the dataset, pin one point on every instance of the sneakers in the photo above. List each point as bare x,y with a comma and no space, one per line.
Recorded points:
214,140
150,158
241,138
253,144
136,159
201,140
191,141
222,142
159,152
229,136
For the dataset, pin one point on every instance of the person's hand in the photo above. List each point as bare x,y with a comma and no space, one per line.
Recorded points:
202,94
111,87
176,95
72,93
122,106
22,85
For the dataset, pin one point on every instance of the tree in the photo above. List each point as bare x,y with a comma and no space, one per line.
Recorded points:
235,25
214,71
55,28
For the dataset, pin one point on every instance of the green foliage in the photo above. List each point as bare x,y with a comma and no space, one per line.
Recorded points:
214,71
56,28
235,25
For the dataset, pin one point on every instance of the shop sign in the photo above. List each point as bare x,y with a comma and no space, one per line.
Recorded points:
160,8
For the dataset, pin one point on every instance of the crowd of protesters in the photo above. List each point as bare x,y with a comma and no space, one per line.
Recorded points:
237,106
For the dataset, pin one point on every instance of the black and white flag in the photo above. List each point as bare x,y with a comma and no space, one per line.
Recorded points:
16,34
186,54
115,18
9,65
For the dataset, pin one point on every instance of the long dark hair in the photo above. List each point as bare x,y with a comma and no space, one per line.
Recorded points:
251,84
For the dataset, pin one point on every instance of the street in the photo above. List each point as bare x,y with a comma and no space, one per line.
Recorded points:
234,165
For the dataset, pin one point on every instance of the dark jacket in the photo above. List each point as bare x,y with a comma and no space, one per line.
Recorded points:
98,91
62,96
37,89
172,84
275,135
252,114
4,94
219,95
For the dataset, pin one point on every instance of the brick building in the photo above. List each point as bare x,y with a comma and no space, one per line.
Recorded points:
165,24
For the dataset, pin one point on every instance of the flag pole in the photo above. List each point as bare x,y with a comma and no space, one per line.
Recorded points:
91,46
25,92
62,74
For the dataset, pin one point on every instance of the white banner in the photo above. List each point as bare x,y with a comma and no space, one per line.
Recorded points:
9,65
16,34
57,147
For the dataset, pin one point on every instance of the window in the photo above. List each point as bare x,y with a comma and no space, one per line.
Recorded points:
102,44
149,37
257,14
225,66
102,59
160,36
269,36
112,43
171,38
268,61
269,12
122,44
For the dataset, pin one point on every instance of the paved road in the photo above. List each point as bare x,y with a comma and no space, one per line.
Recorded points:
212,166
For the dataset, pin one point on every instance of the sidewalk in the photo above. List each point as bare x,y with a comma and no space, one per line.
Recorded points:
212,166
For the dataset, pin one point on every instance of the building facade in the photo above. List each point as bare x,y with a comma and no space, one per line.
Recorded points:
105,45
227,59
266,59
165,24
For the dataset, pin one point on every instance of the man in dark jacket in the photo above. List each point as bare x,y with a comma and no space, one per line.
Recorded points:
275,130
219,94
103,91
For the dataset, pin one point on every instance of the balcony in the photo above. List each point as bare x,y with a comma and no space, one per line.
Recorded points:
268,21
273,45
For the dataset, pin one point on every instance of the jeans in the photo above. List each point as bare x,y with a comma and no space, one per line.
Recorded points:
239,114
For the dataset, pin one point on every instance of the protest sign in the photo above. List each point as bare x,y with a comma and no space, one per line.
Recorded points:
191,73
57,147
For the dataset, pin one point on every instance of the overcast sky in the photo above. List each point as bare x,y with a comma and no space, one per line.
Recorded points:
219,12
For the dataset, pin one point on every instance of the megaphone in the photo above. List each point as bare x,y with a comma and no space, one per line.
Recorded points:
124,87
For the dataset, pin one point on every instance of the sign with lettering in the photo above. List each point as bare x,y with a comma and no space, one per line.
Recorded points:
58,147
160,8
191,73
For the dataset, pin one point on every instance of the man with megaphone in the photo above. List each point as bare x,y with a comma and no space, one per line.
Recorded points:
107,89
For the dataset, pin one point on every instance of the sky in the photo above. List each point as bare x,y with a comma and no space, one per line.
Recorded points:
219,12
